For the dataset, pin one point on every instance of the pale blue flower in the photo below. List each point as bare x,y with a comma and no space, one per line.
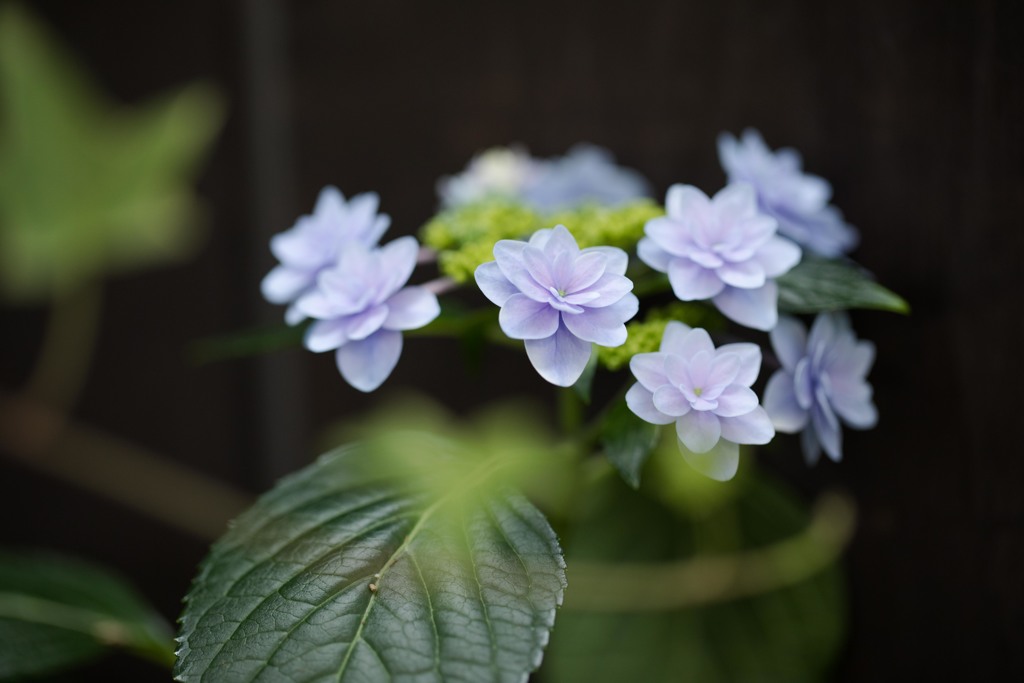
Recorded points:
586,174
706,392
798,200
559,299
361,307
822,381
316,241
721,249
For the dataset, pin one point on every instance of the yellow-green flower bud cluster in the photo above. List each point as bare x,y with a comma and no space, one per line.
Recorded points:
645,336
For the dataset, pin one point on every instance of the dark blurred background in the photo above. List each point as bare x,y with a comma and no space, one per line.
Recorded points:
912,110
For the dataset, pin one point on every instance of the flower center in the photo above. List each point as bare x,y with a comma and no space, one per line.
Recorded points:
698,391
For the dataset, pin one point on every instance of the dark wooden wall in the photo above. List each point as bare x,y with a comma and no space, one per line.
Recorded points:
912,109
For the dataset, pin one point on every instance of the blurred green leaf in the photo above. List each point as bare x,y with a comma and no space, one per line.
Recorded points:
57,612
350,571
817,285
791,632
87,189
247,343
584,384
627,441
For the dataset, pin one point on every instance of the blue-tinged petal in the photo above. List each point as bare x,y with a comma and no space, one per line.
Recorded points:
724,368
616,260
330,203
641,402
750,360
411,308
699,430
735,202
735,400
852,402
720,463
854,363
379,226
523,318
560,358
397,261
293,316
682,340
750,428
363,324
366,363
789,339
586,270
682,200
324,335
602,326
611,289
560,240
810,446
745,275
671,235
755,308
691,282
283,284
509,255
777,256
493,283
539,267
653,255
781,405
670,401
826,426
649,369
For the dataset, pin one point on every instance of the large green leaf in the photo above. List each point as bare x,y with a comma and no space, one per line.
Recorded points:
351,572
817,285
624,622
56,612
86,188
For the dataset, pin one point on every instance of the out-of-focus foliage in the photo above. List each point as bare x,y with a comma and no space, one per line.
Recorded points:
791,633
595,225
56,613
88,189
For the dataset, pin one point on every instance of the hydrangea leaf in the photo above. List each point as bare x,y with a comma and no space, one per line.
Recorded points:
790,633
87,189
351,572
816,285
56,613
627,441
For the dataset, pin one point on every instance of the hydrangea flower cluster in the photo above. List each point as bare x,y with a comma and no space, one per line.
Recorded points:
706,392
723,249
586,174
559,299
332,271
798,201
822,381
723,252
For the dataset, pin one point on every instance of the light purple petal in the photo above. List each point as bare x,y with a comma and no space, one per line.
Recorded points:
670,401
671,235
586,270
640,401
616,260
699,430
735,202
653,255
611,289
686,342
735,400
854,405
509,255
789,339
523,318
681,200
363,324
781,405
603,326
283,284
649,369
397,261
293,316
745,275
691,282
722,371
755,308
720,463
856,362
560,240
750,360
411,308
493,283
560,358
777,256
366,363
324,335
330,203
826,427
539,267
751,428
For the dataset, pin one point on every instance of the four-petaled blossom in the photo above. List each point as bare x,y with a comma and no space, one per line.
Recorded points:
721,249
706,392
559,299
315,242
361,306
822,380
798,200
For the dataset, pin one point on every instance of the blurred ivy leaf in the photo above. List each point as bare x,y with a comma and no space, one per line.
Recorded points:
791,632
349,571
56,613
88,189
816,285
